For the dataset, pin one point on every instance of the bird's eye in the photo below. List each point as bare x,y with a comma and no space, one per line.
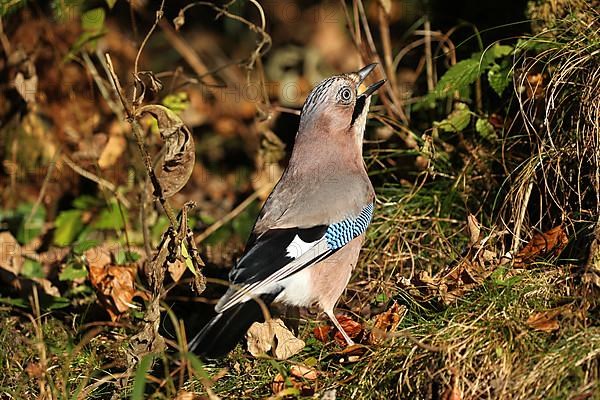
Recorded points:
345,95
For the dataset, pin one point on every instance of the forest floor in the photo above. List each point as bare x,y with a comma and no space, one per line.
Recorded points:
480,273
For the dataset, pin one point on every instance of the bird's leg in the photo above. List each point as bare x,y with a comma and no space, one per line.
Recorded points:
333,319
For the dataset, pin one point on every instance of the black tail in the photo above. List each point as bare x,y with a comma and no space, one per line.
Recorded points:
226,329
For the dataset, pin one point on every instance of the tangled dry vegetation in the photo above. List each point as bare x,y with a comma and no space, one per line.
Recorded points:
480,275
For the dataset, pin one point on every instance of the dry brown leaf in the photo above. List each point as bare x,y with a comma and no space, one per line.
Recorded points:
273,335
176,269
386,322
302,371
11,256
34,370
114,284
322,333
279,385
545,321
474,229
176,162
541,244
352,328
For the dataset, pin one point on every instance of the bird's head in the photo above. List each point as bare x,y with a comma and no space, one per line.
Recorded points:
338,104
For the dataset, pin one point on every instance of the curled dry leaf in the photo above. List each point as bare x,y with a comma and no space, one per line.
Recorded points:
302,371
273,335
552,241
114,284
176,161
386,322
545,321
352,328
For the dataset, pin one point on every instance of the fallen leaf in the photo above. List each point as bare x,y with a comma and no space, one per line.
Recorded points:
349,354
351,327
322,333
34,370
280,388
545,321
11,256
114,284
386,322
273,336
552,241
302,371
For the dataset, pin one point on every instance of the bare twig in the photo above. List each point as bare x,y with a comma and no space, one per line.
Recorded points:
94,178
137,130
232,214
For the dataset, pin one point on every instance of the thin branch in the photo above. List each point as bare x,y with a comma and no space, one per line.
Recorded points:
232,214
98,180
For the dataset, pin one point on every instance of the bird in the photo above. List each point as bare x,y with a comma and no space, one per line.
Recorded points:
307,237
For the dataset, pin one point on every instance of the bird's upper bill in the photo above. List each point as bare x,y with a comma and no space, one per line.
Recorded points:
361,75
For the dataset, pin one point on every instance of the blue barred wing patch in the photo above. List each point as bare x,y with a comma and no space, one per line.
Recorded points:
341,233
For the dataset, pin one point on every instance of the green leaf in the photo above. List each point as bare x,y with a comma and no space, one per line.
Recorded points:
73,271
92,23
139,382
177,102
188,260
29,229
457,120
86,202
485,129
492,53
381,298
18,302
32,269
499,77
81,246
465,72
158,228
126,257
68,226
54,303
111,3
110,218
461,74
92,20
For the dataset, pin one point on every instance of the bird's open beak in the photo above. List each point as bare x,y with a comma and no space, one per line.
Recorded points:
362,75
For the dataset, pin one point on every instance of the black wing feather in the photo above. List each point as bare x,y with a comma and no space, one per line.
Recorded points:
267,253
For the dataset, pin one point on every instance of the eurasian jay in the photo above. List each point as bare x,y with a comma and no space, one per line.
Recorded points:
307,238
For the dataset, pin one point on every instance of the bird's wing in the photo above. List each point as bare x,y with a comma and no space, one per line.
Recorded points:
278,253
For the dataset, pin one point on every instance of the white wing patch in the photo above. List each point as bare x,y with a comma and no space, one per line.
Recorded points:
298,247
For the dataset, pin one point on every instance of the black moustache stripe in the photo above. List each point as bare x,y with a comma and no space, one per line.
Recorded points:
358,108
